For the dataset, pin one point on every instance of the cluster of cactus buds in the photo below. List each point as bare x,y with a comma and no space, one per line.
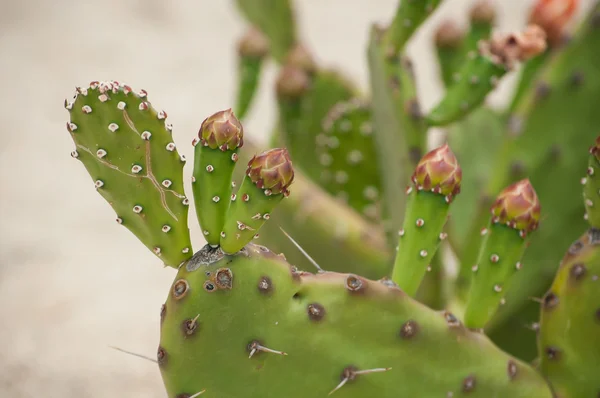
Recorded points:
238,311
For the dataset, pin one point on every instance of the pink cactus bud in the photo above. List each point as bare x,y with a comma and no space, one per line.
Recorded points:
301,58
553,16
253,44
272,171
507,49
595,149
449,35
292,82
518,207
439,171
483,12
222,130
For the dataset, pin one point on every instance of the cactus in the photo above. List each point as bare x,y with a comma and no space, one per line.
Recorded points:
253,48
366,312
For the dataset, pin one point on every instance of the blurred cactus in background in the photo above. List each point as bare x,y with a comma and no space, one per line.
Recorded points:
432,262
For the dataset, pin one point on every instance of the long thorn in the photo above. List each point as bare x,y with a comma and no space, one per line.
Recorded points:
350,373
198,394
304,253
134,354
255,346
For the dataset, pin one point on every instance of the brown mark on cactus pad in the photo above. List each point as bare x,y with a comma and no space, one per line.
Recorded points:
449,35
512,369
552,353
518,207
508,49
189,326
438,171
595,149
483,12
354,283
180,289
209,286
469,383
292,82
451,319
265,285
577,271
161,356
272,171
224,278
222,130
550,301
253,44
316,312
409,329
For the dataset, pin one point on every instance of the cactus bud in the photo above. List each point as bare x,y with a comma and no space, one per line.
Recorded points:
222,130
449,35
272,170
507,49
439,171
552,16
292,82
253,44
595,149
518,207
483,12
301,58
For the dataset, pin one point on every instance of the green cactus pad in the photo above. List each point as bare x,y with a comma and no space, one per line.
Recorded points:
482,18
568,340
279,332
410,15
128,150
591,190
436,182
252,51
515,214
276,19
449,40
346,150
481,72
266,183
215,155
400,131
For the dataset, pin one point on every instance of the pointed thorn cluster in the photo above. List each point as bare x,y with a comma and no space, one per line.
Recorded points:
222,130
518,207
272,171
439,172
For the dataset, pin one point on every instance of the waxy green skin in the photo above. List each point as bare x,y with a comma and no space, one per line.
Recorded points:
410,14
253,48
136,167
591,186
570,322
374,326
346,150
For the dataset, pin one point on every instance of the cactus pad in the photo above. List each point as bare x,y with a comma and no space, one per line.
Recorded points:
570,322
280,332
346,151
591,182
128,150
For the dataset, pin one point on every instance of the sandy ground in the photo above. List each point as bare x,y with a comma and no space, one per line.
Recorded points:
72,282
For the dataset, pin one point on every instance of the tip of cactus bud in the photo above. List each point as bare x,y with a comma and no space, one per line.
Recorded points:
483,11
253,44
300,57
292,82
518,207
508,48
553,16
438,171
449,35
272,171
222,130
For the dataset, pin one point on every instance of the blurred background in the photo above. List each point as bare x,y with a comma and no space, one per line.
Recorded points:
72,282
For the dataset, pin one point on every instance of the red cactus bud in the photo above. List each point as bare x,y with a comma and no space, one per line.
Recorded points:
272,171
292,82
518,206
595,149
449,35
439,171
222,130
553,16
483,12
253,44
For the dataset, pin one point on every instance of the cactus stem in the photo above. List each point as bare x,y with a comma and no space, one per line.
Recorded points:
134,354
351,372
255,346
304,253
